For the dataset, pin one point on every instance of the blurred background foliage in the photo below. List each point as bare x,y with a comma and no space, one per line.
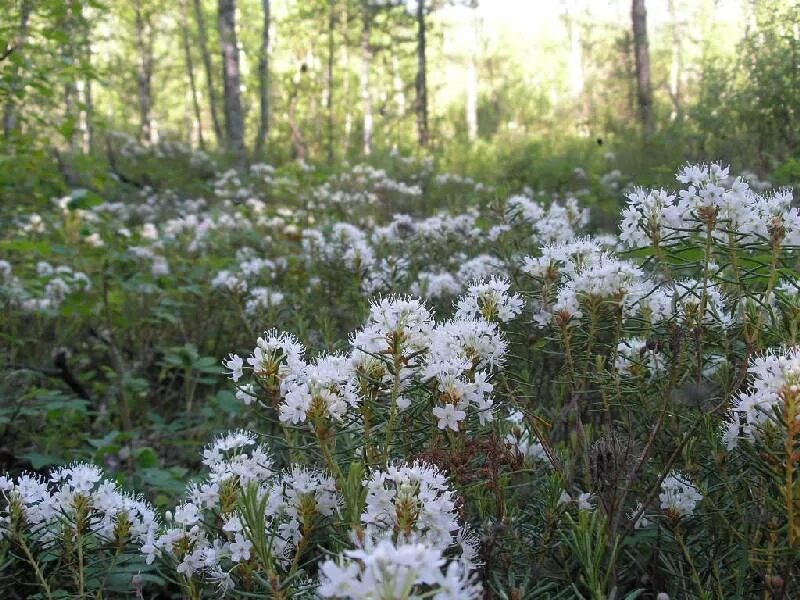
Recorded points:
516,92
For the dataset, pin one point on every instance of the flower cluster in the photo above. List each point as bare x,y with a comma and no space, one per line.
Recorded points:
384,570
711,201
400,353
73,504
214,536
772,377
678,496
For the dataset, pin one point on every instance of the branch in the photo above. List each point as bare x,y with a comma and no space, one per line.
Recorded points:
112,163
61,371
7,52
60,362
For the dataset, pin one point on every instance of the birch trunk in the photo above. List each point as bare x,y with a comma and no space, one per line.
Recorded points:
206,55
187,52
263,81
231,80
641,51
423,134
366,65
10,109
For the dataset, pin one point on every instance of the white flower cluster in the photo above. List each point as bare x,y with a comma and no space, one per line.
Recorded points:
74,500
363,184
415,502
634,357
556,223
574,274
772,377
50,289
678,496
711,200
522,441
207,537
400,346
385,570
490,300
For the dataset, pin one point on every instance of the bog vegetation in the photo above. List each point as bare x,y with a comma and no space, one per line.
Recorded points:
287,313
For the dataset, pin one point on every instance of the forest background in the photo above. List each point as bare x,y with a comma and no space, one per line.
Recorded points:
516,92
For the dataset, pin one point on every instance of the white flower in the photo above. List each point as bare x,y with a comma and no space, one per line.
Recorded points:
186,514
385,571
489,300
240,548
771,376
246,394
678,495
295,405
235,364
339,581
449,416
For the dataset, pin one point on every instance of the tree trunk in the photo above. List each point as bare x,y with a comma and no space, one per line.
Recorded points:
9,110
263,81
144,74
472,81
329,80
298,143
676,63
206,54
232,100
187,53
70,87
399,86
421,107
87,115
366,60
577,80
644,91
348,115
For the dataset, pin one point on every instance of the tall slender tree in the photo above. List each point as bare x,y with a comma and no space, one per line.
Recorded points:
87,89
366,67
69,57
231,78
263,80
641,51
348,114
145,40
187,53
331,117
472,75
676,61
10,108
421,104
577,76
202,38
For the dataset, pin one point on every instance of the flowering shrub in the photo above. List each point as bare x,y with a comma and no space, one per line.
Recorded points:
486,404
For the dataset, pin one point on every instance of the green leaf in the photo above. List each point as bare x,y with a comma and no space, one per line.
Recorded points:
107,440
208,364
83,199
147,458
41,460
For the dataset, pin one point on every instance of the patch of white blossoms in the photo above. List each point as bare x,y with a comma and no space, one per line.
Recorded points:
207,537
385,570
711,200
415,502
74,500
490,300
678,496
772,376
400,349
